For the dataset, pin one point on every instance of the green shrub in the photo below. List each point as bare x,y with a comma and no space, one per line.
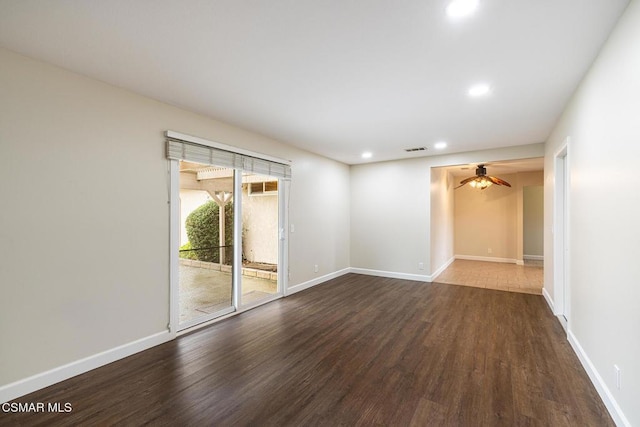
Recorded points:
203,231
188,253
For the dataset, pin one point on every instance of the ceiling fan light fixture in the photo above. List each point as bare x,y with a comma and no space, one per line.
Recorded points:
482,180
484,183
480,183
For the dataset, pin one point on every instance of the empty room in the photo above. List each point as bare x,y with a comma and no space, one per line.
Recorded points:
319,213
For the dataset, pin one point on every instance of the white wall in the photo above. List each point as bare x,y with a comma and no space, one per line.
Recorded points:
602,123
391,210
319,201
493,218
442,218
84,224
390,216
486,220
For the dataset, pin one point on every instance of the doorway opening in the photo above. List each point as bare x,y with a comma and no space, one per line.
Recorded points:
489,237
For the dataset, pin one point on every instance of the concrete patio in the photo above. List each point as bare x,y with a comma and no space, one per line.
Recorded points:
205,289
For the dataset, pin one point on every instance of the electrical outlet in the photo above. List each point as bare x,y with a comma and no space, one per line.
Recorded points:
293,228
421,266
315,268
615,367
489,250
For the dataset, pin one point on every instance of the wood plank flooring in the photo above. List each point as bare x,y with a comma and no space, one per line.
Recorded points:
357,350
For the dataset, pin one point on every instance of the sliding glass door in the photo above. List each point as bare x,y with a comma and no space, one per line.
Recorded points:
227,215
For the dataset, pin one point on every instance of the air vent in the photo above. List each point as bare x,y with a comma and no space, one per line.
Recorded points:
411,150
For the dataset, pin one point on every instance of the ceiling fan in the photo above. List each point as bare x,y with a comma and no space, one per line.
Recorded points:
482,180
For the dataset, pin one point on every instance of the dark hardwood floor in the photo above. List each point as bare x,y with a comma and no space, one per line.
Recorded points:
357,350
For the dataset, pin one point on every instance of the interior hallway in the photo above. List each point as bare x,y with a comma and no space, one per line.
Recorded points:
526,278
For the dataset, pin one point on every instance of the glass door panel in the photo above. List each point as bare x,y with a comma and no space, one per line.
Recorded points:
260,243
206,243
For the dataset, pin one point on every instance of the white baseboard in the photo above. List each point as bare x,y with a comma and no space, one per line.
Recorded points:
392,274
442,268
313,282
533,257
488,259
45,379
548,298
602,389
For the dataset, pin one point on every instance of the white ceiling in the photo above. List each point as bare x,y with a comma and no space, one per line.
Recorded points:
335,77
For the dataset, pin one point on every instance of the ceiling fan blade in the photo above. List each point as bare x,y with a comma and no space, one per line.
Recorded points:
494,180
498,181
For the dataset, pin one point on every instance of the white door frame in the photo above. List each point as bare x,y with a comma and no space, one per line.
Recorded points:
561,228
174,242
283,244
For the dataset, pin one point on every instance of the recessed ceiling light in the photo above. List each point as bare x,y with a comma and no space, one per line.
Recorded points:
440,145
480,89
461,8
367,155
